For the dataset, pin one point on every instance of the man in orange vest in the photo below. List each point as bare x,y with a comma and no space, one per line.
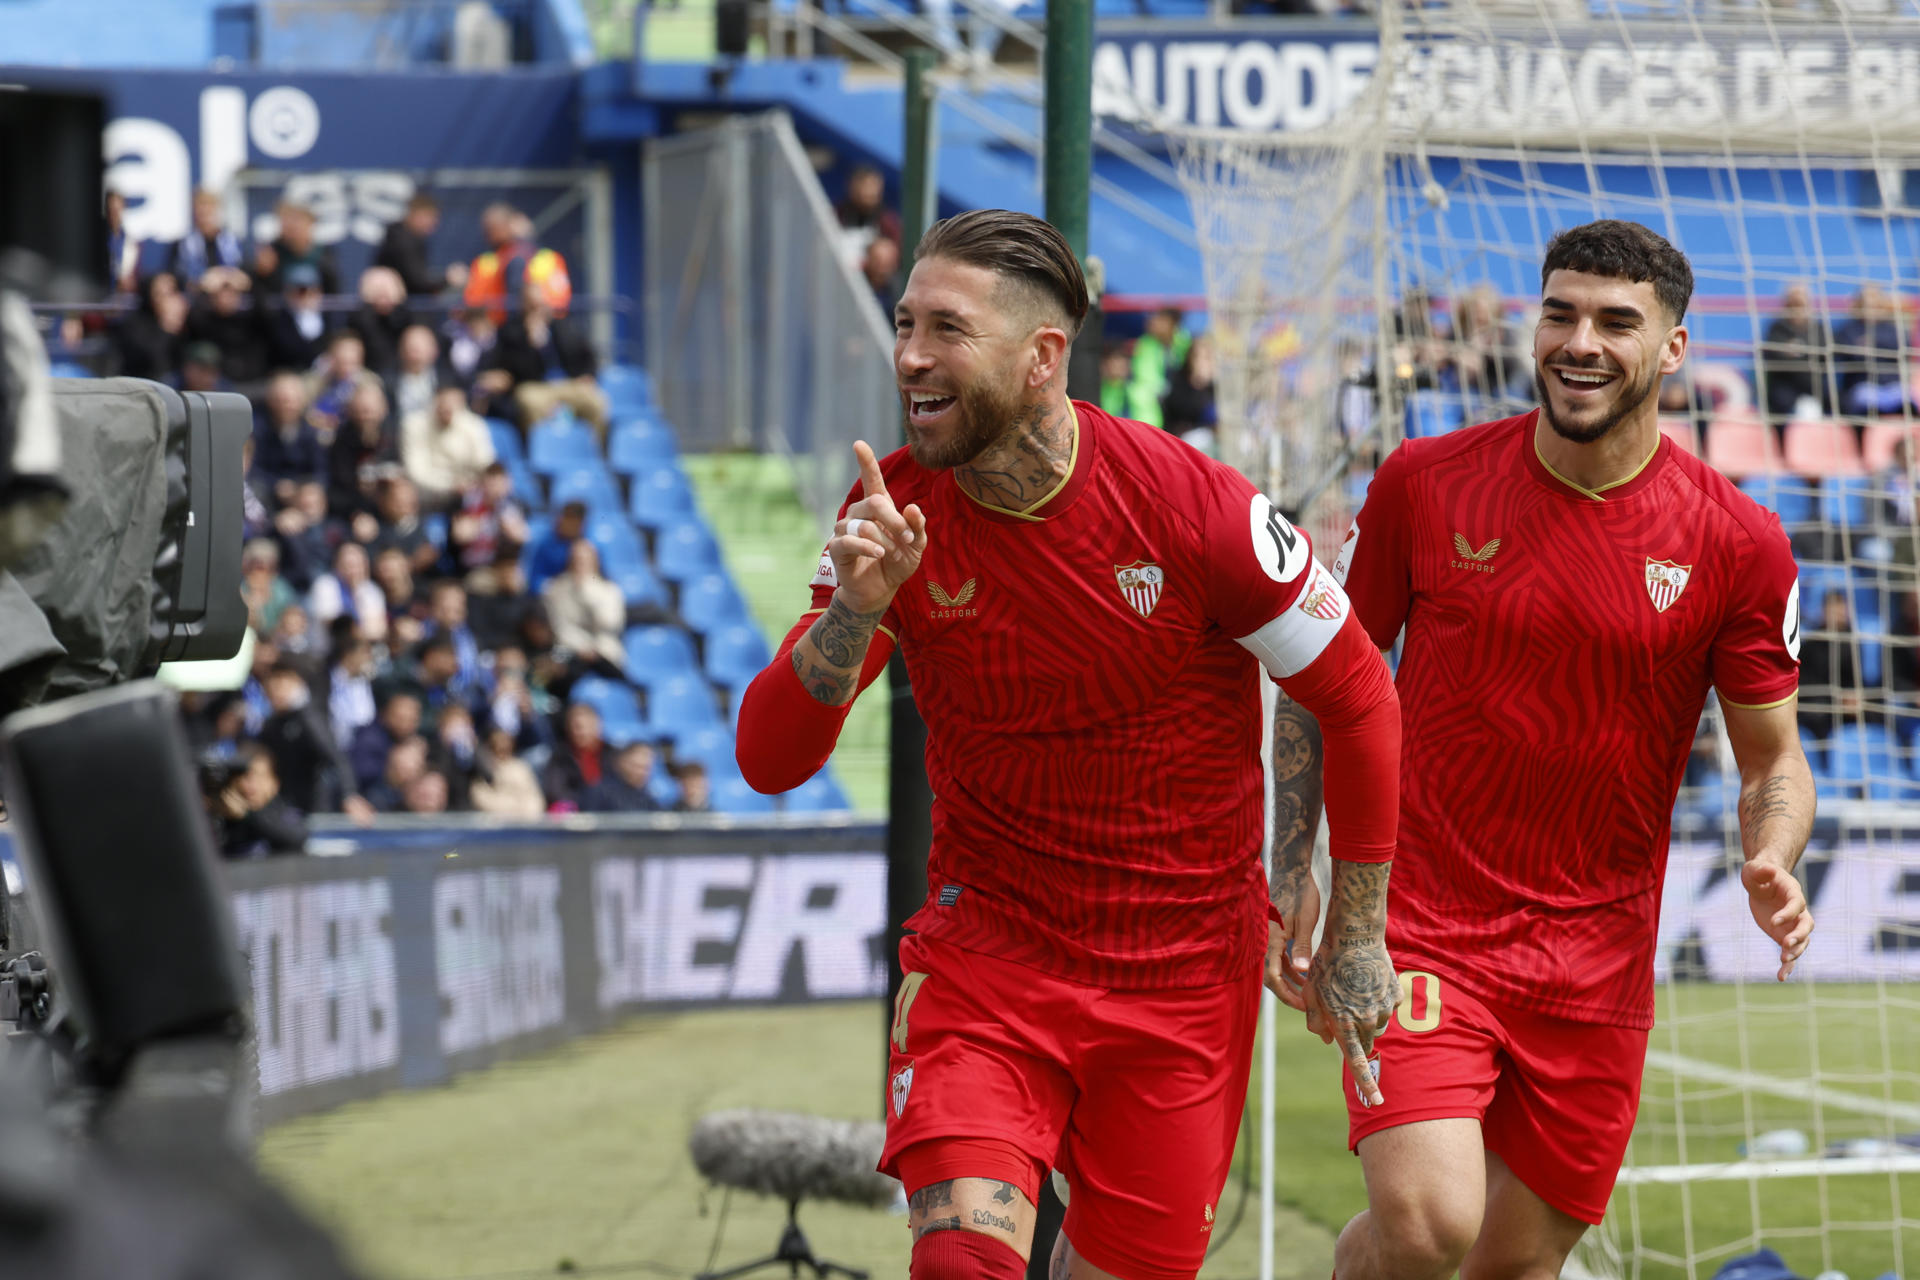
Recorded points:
501,274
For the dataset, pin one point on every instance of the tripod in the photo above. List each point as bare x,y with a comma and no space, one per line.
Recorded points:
793,1250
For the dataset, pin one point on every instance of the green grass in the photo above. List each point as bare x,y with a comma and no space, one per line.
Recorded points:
580,1155
772,545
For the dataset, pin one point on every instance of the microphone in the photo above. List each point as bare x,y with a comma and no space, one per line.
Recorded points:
794,1157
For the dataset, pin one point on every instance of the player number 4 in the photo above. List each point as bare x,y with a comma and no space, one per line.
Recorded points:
1418,990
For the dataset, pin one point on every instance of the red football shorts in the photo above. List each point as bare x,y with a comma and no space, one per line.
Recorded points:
1002,1071
1555,1099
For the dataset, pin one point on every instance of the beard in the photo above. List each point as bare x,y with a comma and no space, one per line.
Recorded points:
1632,398
982,413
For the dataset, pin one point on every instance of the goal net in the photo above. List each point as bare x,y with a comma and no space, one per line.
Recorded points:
1373,272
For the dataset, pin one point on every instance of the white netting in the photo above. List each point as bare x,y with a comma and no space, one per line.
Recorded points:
1378,276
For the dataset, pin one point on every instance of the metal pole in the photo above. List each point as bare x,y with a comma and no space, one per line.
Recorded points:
1069,129
919,202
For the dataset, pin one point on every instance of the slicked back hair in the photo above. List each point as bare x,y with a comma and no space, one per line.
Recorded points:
1025,251
1625,251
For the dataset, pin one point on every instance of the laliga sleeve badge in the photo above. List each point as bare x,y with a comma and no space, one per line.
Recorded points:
902,1085
1373,1061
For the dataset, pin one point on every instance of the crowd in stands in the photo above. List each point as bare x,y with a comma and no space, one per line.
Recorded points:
415,631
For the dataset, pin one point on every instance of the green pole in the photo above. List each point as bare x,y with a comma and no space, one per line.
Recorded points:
1069,131
918,207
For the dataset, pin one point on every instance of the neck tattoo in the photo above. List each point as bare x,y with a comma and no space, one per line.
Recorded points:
1026,462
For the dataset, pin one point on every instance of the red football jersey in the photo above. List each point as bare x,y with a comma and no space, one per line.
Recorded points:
1560,644
1093,727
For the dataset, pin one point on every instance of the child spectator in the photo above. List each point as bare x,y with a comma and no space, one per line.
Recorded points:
624,790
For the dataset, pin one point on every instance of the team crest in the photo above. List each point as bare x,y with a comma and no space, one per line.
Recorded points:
1321,599
902,1085
1141,583
1665,581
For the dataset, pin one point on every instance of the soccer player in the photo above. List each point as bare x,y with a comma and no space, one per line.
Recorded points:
1084,603
1571,585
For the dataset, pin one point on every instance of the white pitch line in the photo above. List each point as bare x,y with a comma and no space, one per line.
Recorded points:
1742,1170
1798,1090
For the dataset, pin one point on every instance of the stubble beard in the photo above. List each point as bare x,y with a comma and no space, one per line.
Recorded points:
985,413
1632,400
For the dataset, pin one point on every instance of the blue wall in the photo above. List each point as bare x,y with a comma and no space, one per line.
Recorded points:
107,33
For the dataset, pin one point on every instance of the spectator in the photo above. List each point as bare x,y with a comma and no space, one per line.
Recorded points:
880,264
624,789
1867,355
864,214
512,263
314,775
543,364
405,762
287,452
208,245
696,789
373,744
350,706
1422,345
1900,511
383,316
517,708
253,690
447,616
200,368
470,336
578,763
340,373
1159,351
420,374
123,249
265,593
1115,369
349,591
446,448
459,753
434,671
299,644
221,317
504,785
151,339
297,330
1493,364
400,527
552,553
428,793
404,250
587,611
363,453
498,603
1829,678
403,596
1681,401
1903,667
307,535
491,522
220,728
295,247
1793,359
250,819
1187,410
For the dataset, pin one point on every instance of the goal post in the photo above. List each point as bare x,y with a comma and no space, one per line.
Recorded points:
1375,275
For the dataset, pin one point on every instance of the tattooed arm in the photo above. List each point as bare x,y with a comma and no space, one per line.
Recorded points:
1776,817
1295,817
1351,989
828,659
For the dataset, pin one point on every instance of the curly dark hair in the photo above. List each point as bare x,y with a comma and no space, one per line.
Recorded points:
1625,251
1027,251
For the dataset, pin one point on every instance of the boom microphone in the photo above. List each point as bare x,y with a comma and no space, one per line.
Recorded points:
794,1157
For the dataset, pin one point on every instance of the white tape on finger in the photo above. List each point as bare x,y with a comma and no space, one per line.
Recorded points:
853,527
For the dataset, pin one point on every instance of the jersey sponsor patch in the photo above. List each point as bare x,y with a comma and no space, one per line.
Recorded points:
825,575
1790,624
1343,562
1288,644
1281,549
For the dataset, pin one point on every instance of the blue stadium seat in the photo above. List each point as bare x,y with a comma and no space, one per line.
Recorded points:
1434,413
711,745
658,653
1862,755
731,794
616,703
589,484
685,552
661,497
818,794
680,703
68,369
526,486
664,790
506,441
639,585
1846,501
626,380
636,447
1794,500
561,446
710,602
735,655
434,525
615,539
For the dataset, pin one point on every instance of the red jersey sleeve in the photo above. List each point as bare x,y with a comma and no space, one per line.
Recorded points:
1373,563
1756,655
1257,562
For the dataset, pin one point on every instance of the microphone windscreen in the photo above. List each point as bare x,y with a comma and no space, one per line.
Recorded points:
794,1157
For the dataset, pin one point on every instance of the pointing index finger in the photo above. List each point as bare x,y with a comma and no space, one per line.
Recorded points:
872,483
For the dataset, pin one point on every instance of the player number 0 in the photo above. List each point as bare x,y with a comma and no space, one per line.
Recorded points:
1429,986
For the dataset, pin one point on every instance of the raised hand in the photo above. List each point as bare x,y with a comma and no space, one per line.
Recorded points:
1290,942
1779,907
877,547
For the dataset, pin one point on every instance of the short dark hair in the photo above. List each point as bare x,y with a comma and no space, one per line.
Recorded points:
1625,251
1026,251
422,200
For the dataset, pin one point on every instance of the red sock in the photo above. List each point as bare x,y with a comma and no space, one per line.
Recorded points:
964,1255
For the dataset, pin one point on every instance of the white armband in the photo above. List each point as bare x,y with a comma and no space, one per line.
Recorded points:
1288,644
